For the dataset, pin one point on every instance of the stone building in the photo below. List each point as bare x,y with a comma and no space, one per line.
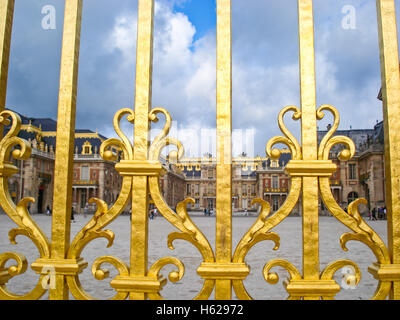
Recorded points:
172,185
361,176
35,176
273,181
251,178
93,177
372,168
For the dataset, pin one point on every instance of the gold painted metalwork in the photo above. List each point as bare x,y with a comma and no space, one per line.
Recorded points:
139,163
6,21
63,175
13,147
389,57
311,164
223,241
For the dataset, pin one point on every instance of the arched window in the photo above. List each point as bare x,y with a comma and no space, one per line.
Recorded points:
352,196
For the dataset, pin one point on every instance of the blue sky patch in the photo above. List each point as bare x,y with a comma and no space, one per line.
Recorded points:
201,13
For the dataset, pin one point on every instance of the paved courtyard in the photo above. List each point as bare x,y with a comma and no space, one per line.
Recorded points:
290,249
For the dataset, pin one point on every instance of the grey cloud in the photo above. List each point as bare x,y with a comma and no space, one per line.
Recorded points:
265,66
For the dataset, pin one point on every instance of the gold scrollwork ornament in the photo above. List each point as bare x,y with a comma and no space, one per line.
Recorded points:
11,146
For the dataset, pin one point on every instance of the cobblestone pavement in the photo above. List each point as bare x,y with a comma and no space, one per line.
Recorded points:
290,249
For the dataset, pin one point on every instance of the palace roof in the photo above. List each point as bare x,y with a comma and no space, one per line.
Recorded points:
44,130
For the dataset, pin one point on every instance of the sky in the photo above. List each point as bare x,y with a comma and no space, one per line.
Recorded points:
265,67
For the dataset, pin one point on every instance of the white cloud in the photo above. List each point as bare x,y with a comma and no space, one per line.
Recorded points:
173,38
265,75
265,64
183,70
123,38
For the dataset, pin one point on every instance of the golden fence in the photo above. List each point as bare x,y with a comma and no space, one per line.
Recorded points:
225,268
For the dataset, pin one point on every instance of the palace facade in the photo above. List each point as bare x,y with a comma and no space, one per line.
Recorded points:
252,178
92,175
362,176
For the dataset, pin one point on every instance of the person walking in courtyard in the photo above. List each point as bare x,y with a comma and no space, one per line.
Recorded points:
380,213
86,210
48,211
72,215
371,214
374,214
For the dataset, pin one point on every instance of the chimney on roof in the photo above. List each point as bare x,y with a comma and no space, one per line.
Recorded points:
379,97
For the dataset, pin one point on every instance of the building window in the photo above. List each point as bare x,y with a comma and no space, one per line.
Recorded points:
85,173
352,196
188,189
352,171
244,189
87,148
274,182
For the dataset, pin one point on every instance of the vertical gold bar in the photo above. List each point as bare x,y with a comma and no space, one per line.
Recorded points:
389,57
140,188
309,140
223,247
307,80
6,22
65,140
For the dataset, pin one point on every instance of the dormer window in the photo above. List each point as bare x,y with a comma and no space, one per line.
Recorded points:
87,148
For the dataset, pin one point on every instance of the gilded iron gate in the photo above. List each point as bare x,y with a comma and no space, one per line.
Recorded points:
140,167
